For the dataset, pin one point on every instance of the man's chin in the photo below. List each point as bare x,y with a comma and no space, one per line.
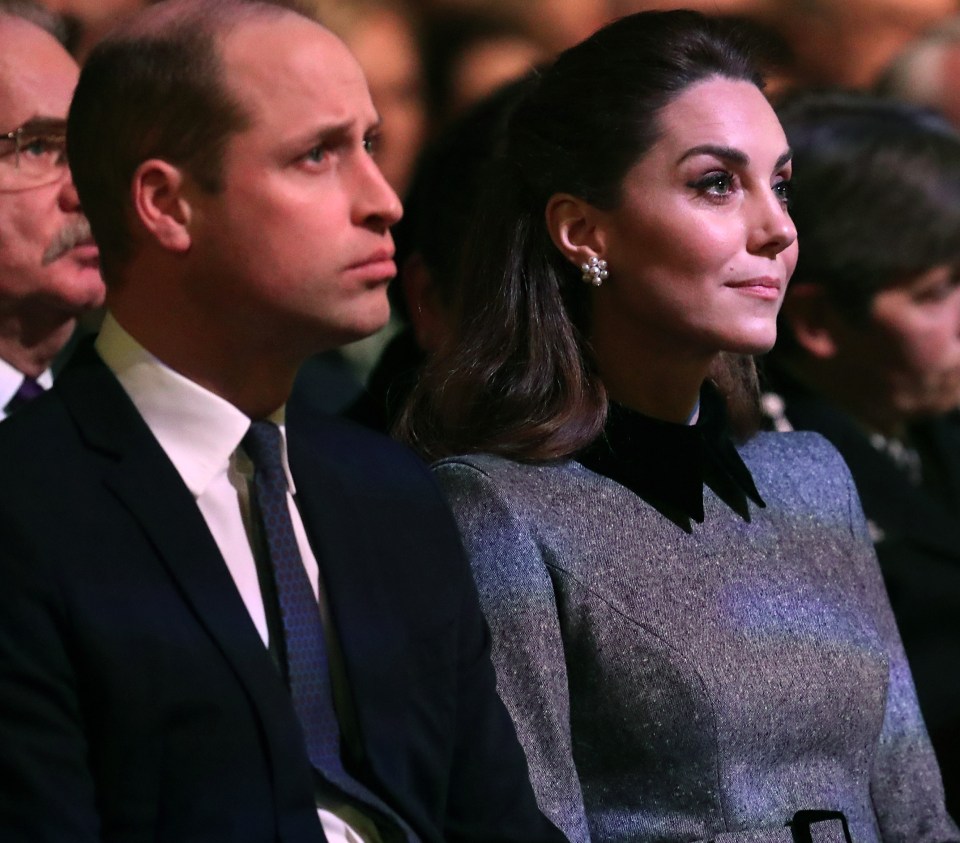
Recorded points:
80,290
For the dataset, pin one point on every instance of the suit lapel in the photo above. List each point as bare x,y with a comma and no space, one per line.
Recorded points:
370,633
146,483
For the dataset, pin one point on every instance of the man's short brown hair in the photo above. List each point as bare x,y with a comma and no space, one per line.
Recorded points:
154,89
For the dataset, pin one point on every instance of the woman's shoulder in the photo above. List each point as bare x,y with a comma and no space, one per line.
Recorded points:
503,470
516,484
801,447
801,462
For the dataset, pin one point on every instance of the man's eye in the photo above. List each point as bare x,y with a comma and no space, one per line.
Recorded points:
316,154
41,146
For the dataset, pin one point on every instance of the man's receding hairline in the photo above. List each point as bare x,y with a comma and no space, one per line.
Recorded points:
214,18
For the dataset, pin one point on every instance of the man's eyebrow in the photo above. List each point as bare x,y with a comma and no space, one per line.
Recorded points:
325,130
42,125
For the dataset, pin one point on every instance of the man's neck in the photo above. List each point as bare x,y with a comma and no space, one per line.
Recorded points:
257,383
32,350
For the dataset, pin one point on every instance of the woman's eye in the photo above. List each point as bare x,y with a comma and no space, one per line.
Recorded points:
716,184
782,190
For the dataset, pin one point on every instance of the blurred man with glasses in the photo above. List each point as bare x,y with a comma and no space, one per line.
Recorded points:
48,262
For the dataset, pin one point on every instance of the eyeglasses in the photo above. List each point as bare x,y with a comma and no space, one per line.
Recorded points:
33,155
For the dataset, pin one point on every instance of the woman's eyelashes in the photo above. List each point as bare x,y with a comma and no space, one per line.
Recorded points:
781,187
717,185
720,185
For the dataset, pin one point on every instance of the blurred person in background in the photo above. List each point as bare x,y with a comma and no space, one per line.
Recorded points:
87,21
468,54
431,239
49,272
927,72
557,24
382,34
843,43
869,356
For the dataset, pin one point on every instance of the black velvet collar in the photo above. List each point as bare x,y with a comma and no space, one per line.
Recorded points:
667,464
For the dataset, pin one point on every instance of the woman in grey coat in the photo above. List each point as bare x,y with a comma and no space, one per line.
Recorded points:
690,629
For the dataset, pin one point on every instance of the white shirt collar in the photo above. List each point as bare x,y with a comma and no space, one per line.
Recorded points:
10,380
198,430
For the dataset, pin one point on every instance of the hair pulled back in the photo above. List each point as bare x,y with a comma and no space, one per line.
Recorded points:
517,380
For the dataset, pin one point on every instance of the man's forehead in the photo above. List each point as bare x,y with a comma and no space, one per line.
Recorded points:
37,75
290,62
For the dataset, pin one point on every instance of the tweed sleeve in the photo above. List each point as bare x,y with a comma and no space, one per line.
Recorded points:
517,597
905,783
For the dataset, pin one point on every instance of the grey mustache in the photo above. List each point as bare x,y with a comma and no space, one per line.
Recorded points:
72,234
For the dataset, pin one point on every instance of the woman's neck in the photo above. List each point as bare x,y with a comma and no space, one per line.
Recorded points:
659,386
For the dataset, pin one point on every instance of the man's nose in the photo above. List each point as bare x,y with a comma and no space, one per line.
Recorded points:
68,198
376,202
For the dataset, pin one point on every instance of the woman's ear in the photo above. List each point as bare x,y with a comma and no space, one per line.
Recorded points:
160,203
573,227
813,320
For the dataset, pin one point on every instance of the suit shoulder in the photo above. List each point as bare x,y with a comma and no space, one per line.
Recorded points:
37,435
366,462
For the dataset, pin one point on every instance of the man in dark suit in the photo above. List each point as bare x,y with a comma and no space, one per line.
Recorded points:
167,672
48,261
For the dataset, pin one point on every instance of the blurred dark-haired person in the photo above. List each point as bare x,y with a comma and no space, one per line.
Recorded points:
869,356
447,186
48,262
220,621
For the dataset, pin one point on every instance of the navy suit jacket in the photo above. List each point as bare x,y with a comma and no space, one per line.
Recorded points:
137,701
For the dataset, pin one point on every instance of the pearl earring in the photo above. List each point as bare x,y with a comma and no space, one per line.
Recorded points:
594,271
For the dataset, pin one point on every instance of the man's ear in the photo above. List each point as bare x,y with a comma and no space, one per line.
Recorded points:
574,227
161,204
813,320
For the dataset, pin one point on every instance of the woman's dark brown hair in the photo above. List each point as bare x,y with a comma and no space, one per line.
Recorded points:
518,380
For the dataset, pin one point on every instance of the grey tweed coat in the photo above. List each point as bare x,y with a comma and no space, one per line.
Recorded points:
671,687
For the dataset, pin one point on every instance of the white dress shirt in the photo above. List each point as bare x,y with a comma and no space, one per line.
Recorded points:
10,380
201,434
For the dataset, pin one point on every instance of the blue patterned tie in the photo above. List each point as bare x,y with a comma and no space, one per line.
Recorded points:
307,662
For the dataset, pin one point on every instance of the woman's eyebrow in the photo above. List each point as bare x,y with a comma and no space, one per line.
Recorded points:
729,153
